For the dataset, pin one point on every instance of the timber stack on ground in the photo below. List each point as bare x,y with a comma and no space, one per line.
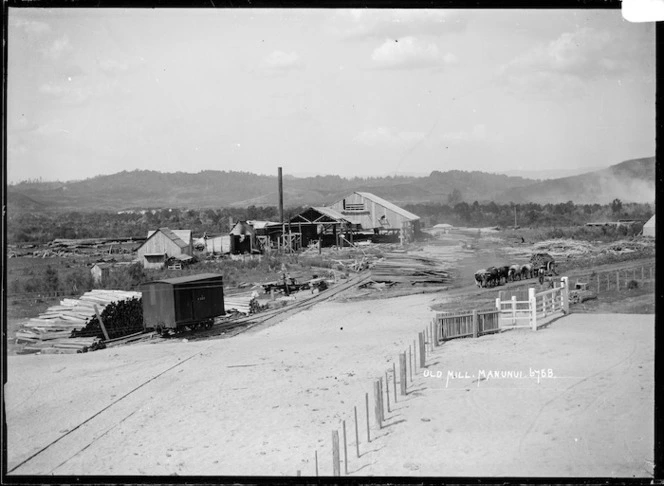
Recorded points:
52,328
405,268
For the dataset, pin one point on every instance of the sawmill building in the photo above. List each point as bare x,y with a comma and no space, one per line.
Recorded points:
373,213
164,244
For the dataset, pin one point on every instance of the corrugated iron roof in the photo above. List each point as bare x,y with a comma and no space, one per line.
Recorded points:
183,235
262,224
331,212
388,205
173,237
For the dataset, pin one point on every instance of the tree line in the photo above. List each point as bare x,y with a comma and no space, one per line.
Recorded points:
44,227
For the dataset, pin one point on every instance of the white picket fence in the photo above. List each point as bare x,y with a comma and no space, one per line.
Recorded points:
537,310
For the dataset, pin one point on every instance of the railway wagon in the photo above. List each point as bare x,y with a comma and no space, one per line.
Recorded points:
173,303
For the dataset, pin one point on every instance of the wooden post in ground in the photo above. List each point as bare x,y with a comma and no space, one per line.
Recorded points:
643,278
101,323
598,283
617,279
608,282
345,449
299,473
514,310
650,274
357,434
633,273
377,404
387,391
565,292
402,369
382,399
422,351
533,308
434,327
414,356
316,460
336,467
410,363
366,399
475,323
394,380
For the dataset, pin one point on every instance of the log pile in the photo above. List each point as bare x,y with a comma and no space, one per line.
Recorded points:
120,318
408,268
52,328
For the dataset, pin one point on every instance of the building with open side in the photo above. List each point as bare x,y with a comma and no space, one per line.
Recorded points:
320,223
373,213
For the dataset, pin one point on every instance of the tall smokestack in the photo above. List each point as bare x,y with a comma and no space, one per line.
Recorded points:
281,197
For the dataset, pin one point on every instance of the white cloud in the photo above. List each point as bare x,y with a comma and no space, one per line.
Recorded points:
409,52
280,61
387,137
58,47
564,64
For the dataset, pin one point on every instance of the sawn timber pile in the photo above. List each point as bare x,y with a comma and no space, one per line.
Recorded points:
406,268
50,331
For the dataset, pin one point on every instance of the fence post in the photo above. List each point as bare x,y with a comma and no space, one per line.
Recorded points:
514,310
422,351
366,399
410,362
387,391
336,467
598,283
377,404
642,275
533,308
475,324
316,460
357,433
434,327
394,380
382,400
565,291
617,279
650,274
402,368
608,282
345,450
414,356
498,303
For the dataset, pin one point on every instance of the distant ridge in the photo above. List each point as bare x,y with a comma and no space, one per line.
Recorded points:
632,180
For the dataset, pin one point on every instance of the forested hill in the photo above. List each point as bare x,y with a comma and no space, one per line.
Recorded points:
633,180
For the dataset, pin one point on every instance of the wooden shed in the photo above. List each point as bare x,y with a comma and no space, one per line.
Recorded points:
163,244
323,223
371,212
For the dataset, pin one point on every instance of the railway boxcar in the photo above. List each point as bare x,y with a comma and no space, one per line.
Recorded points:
173,303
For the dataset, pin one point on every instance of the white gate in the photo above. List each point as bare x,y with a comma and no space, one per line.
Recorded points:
537,309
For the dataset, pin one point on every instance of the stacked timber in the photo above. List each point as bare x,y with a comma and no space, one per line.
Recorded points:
408,268
242,303
52,328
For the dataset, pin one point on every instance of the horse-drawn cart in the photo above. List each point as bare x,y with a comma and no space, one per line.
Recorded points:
543,266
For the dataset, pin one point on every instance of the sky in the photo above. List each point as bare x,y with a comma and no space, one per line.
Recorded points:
325,91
